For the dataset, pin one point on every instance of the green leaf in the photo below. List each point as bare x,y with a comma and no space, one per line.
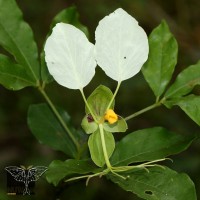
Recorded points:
185,82
69,15
95,147
48,130
158,184
162,59
119,126
12,75
59,170
190,105
89,127
99,101
17,38
147,145
45,75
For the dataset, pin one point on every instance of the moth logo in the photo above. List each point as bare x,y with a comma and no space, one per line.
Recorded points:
22,177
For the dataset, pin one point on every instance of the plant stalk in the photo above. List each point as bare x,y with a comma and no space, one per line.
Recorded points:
114,95
86,103
143,111
64,125
104,147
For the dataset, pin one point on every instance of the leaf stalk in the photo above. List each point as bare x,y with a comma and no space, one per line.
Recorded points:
62,122
155,105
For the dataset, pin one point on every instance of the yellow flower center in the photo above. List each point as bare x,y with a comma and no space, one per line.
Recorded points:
110,116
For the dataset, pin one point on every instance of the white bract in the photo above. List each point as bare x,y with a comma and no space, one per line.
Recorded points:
121,45
70,56
121,49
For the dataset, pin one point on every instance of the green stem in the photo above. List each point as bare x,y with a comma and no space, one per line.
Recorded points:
157,99
89,176
104,147
60,118
86,103
114,95
143,111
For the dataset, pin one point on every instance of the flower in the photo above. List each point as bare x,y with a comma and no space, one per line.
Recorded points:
111,116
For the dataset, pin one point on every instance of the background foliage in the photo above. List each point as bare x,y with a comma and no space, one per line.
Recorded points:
19,146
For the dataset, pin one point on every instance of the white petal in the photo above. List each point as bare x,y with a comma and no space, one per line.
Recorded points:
121,45
70,56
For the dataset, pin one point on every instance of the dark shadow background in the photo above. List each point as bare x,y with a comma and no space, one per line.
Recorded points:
18,145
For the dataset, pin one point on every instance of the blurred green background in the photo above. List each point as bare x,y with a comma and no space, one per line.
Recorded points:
18,145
